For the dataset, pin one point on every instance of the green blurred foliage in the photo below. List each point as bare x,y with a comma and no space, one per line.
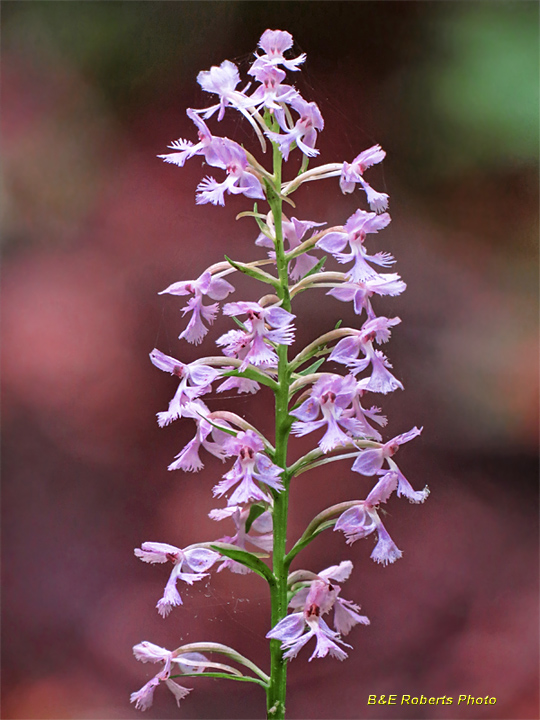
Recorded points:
492,84
480,92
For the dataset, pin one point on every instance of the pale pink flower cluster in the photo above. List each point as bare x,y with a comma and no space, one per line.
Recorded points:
330,404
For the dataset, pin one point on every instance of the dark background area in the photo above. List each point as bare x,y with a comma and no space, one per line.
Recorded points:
95,226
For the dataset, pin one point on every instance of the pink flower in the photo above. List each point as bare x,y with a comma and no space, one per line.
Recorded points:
275,43
363,415
363,519
316,599
186,149
271,93
362,292
262,524
222,81
354,233
347,350
291,632
304,133
148,652
189,565
215,288
371,460
195,380
353,173
293,231
188,458
251,464
240,179
253,343
242,385
331,395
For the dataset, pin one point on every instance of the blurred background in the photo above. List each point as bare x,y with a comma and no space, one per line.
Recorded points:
94,226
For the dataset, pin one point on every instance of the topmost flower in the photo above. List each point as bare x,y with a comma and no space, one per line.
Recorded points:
274,43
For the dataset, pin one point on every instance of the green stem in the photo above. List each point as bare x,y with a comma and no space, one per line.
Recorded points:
278,665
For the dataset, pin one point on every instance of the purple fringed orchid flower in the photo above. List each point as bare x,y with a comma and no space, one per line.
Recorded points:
185,149
363,416
188,458
189,565
195,380
317,599
332,395
363,519
275,43
253,343
345,611
148,652
222,80
293,231
251,464
304,133
231,157
205,284
353,173
242,385
362,292
239,515
144,697
271,93
371,460
347,350
354,233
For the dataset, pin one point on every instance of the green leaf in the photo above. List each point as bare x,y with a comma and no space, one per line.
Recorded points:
338,324
304,166
249,560
240,323
305,540
260,223
255,511
312,368
254,273
223,676
229,431
317,268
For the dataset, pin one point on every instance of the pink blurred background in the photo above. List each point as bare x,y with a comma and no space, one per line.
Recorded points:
95,226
